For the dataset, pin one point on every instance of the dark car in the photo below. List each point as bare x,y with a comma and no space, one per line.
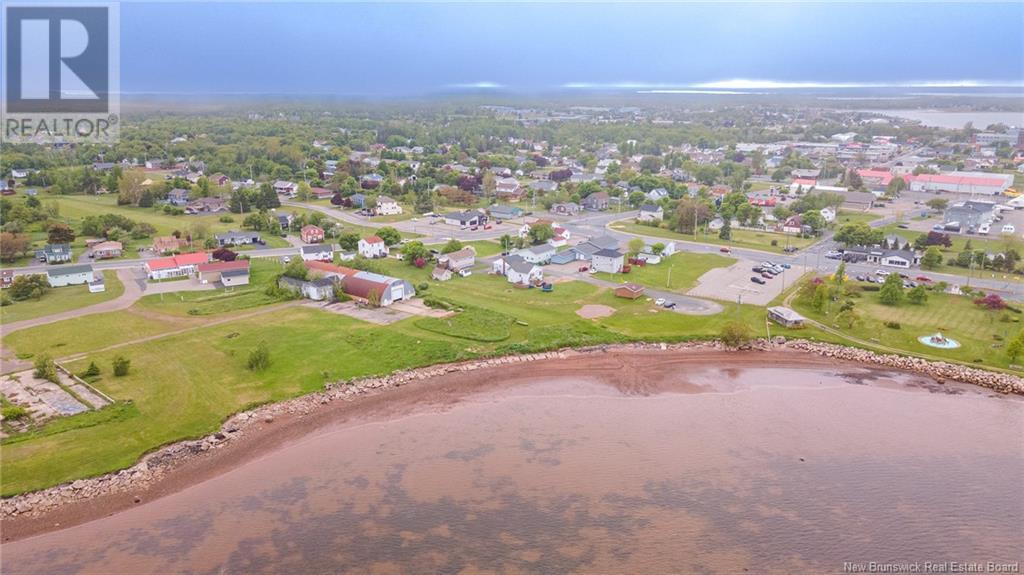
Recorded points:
757,280
860,278
757,269
790,249
669,305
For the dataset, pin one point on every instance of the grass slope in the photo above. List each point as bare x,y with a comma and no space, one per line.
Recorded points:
62,299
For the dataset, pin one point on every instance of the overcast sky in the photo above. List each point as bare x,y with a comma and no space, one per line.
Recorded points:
422,48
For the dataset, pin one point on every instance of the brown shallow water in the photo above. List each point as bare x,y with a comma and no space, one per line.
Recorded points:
756,470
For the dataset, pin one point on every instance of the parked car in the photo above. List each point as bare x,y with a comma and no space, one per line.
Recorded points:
582,268
465,273
757,269
881,273
923,279
1009,229
660,301
487,227
669,305
790,249
767,275
903,226
725,250
860,278
757,280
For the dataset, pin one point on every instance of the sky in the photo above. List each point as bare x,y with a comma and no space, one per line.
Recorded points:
411,49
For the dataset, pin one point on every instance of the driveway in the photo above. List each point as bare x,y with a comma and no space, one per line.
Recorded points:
733,284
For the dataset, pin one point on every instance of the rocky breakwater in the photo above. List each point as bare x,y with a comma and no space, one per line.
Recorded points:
156,465
940,370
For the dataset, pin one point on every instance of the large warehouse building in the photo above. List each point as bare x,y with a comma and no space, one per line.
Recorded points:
962,183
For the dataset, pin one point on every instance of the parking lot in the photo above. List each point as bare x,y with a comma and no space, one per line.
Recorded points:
733,284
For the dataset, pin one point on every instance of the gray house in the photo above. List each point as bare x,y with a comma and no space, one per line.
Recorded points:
970,214
70,275
234,238
54,253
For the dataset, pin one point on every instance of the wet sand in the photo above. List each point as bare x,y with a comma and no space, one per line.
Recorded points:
604,463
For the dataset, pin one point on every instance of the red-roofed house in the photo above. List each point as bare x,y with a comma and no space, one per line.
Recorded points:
231,273
802,184
175,266
373,247
311,234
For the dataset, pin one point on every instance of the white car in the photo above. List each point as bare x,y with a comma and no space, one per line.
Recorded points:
881,273
660,301
1009,229
465,273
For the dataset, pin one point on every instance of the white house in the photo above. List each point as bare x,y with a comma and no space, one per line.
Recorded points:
608,260
657,194
70,275
317,253
387,206
289,189
458,260
373,247
828,214
517,270
540,254
650,213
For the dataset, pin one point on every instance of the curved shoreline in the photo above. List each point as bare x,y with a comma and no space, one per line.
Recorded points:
180,465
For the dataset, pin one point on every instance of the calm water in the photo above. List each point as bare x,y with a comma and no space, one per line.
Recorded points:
956,120
758,470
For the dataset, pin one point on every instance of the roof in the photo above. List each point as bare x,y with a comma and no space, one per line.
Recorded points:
69,270
178,261
606,242
466,252
606,253
234,273
650,208
542,248
805,182
462,216
238,234
632,287
224,266
785,313
330,268
373,240
315,249
958,180
311,228
108,245
518,264
362,287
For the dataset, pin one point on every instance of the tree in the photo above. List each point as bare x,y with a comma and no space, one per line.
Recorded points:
917,295
895,187
348,241
390,235
130,187
121,365
224,255
540,233
636,245
931,259
453,245
12,246
848,317
337,199
259,357
296,269
726,232
892,290
937,204
840,275
991,301
814,220
658,248
506,242
691,214
1016,346
858,234
415,253
735,333
304,193
853,180
92,371
31,286
423,203
60,234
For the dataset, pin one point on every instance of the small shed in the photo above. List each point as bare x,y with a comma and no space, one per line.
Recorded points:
629,291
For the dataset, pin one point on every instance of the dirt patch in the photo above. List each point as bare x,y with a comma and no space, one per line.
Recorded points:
591,311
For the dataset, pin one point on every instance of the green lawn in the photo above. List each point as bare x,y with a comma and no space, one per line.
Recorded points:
855,217
955,316
991,244
62,299
472,323
678,272
750,239
484,248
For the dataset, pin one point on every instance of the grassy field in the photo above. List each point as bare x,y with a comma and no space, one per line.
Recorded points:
750,239
851,217
62,299
978,330
484,248
992,244
184,384
678,272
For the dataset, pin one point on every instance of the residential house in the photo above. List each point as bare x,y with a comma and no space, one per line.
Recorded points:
317,253
206,206
970,214
596,202
233,273
441,273
168,244
387,207
629,291
561,237
508,188
107,250
358,200
499,212
608,260
650,213
517,270
175,266
322,193
316,289
155,164
285,220
373,247
311,234
236,238
566,209
54,253
178,197
657,194
463,219
585,250
459,260
793,225
543,186
70,275
284,188
539,254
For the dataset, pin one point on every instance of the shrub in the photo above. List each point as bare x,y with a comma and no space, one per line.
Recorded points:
14,412
775,242
423,287
121,365
991,301
92,371
259,357
735,333
892,324
46,369
226,219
